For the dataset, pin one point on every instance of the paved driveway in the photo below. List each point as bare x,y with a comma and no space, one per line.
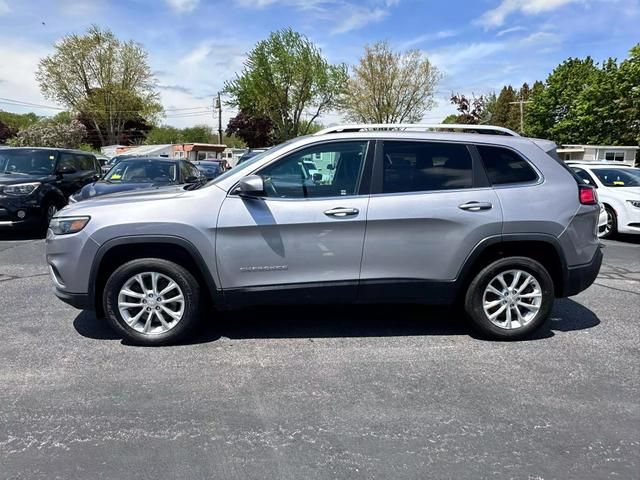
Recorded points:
361,392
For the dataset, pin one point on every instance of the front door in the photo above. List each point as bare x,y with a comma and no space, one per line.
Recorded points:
430,206
302,240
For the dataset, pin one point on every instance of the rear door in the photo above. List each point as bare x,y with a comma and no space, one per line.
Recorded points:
302,241
430,206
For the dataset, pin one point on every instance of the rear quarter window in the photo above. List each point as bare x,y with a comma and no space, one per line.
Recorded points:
504,166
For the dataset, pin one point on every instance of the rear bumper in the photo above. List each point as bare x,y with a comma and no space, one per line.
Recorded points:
81,301
580,277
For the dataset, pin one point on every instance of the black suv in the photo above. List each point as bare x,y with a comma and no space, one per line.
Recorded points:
36,182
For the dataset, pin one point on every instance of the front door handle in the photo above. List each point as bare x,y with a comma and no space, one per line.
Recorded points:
476,206
342,212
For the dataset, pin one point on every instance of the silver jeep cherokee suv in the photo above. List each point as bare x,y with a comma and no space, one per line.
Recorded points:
361,213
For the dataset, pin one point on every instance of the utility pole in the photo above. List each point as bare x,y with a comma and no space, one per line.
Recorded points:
218,106
521,103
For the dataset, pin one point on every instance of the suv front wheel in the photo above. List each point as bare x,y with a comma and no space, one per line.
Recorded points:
151,301
510,298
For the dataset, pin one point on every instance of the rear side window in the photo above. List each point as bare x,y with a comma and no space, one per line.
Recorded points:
505,166
426,166
85,162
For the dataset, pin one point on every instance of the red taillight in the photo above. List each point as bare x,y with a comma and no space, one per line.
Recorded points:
588,195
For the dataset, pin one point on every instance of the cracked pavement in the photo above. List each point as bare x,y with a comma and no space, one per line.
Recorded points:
343,392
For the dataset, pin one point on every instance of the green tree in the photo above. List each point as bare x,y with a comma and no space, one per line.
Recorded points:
390,87
453,118
18,121
505,113
106,80
287,80
199,134
163,135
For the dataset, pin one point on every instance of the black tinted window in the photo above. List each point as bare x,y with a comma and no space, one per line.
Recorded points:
426,166
505,166
68,160
85,162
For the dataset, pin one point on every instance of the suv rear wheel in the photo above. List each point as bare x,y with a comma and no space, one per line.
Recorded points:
151,301
510,298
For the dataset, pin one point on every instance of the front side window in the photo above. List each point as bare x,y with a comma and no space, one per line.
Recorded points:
426,166
327,170
584,176
504,166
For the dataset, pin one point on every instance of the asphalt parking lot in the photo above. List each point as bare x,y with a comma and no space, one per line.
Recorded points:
361,392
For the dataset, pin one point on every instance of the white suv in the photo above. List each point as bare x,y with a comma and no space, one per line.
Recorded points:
619,190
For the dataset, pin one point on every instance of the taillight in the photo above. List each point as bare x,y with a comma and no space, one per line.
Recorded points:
588,195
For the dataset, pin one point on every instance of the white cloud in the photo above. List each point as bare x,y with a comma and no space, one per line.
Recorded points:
455,58
510,30
4,7
496,17
353,18
183,5
197,55
427,38
17,74
344,15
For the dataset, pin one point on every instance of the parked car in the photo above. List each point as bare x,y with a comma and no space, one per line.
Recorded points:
141,173
618,190
494,222
210,168
113,161
252,152
36,182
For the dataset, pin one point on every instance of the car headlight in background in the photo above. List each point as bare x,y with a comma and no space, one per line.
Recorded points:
20,189
635,203
67,225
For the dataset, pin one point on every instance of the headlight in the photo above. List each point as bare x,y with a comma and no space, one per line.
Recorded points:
635,203
20,188
66,225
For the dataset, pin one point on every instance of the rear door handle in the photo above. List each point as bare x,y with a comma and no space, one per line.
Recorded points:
342,212
476,206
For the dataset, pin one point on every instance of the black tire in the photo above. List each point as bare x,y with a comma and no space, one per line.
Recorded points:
49,209
612,223
177,273
475,294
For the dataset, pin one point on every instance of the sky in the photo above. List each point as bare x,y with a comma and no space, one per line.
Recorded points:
195,45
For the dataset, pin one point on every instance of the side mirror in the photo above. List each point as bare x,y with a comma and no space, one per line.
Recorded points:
192,179
251,186
66,169
317,177
330,166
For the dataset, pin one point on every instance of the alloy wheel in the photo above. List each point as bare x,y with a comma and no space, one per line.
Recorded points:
151,303
512,299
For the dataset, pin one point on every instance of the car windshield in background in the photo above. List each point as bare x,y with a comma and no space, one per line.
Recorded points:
142,171
27,162
618,177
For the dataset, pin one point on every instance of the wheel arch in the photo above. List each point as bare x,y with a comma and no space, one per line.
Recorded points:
118,251
543,248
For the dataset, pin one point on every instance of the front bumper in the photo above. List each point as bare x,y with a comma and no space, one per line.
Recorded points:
10,209
80,301
581,277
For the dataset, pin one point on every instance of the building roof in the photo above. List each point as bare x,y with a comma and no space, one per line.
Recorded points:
611,147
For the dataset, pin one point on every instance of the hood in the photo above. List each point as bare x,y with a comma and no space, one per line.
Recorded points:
99,189
15,178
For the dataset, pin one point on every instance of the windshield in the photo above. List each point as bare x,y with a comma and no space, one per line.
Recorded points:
618,177
27,162
142,171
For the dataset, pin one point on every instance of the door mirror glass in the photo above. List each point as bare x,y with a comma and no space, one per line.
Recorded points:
192,179
252,186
